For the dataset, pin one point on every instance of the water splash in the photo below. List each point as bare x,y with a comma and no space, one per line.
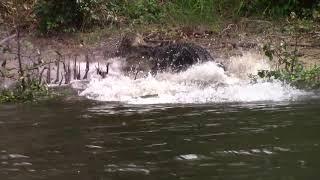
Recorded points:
201,83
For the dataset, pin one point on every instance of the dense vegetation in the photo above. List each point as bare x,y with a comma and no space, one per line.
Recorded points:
73,15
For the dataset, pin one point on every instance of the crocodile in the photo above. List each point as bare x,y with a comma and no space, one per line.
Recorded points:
163,56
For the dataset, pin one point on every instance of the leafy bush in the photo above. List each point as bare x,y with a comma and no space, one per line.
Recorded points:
143,11
32,90
191,11
58,15
70,15
74,14
290,69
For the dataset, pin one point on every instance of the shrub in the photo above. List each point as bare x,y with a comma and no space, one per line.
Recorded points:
55,15
143,11
290,69
70,15
32,90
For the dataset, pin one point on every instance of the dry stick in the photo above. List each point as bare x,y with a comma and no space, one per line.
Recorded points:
58,71
98,69
61,79
49,74
108,68
69,73
136,74
21,72
41,74
75,68
87,68
79,73
103,74
65,72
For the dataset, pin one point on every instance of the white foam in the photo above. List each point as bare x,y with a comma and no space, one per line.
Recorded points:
201,83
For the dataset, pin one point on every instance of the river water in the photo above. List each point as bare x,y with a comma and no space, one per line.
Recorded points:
201,124
87,140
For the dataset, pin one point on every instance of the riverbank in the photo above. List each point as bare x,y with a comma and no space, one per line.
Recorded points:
232,39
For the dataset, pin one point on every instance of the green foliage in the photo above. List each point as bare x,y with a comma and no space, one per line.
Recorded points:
55,15
290,69
277,8
143,11
30,90
190,11
72,15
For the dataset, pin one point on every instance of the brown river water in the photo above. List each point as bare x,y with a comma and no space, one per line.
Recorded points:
89,140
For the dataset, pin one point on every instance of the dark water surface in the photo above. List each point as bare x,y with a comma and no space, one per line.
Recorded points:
75,140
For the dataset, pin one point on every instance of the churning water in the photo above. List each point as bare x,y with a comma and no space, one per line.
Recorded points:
201,83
